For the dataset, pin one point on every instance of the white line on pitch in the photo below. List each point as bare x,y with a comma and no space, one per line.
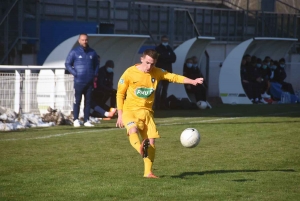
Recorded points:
165,124
101,130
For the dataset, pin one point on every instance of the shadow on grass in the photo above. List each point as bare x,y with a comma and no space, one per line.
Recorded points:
186,174
232,123
280,110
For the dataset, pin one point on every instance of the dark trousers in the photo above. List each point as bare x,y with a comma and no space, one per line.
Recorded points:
101,97
97,111
265,85
86,90
199,91
253,90
161,92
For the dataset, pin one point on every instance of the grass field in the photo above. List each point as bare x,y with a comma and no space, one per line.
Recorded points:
247,152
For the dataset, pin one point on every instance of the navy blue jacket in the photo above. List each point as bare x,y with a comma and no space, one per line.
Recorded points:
82,64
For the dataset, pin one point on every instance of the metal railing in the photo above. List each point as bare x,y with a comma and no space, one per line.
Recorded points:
221,23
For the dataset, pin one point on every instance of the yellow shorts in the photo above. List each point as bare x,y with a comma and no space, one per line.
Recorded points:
143,120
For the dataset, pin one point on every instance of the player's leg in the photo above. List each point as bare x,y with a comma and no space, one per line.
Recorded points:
149,131
134,138
129,121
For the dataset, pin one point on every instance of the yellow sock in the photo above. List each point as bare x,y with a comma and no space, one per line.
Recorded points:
135,141
148,162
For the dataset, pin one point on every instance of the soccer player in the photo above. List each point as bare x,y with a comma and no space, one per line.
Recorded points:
135,96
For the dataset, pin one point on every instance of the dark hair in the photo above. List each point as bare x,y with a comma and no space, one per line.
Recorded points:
246,55
282,60
191,58
110,63
253,59
151,53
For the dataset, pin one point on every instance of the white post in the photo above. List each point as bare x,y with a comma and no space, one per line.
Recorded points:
27,90
17,91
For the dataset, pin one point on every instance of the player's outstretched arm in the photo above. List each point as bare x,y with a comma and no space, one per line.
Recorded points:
119,120
193,82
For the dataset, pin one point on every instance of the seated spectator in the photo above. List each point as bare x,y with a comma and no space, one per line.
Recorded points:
253,59
268,60
248,86
247,57
192,71
103,86
280,75
252,81
97,111
265,75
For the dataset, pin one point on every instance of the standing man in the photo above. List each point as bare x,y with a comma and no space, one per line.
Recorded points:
135,97
164,61
82,62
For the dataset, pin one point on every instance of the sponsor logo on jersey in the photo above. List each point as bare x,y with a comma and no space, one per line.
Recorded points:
163,70
80,57
121,81
153,80
143,92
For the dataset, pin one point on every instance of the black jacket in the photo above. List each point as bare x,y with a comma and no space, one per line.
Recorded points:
279,75
166,57
104,80
193,73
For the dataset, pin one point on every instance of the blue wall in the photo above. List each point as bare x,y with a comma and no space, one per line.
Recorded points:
54,32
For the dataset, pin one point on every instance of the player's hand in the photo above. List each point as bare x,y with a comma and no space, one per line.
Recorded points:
198,81
119,122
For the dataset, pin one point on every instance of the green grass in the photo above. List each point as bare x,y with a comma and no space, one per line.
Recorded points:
247,152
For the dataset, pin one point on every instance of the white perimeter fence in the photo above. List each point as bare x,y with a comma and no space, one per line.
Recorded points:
19,89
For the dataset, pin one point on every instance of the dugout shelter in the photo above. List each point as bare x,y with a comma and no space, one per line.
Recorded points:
230,85
192,47
55,91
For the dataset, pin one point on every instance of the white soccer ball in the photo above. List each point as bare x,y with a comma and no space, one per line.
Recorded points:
190,138
202,105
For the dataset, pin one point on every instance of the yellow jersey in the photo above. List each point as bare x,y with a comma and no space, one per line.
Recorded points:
136,89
